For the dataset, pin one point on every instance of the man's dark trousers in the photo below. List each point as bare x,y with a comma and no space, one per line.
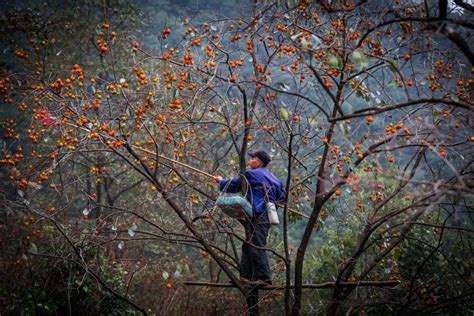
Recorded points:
254,263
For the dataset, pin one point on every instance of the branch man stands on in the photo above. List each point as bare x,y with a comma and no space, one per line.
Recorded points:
263,187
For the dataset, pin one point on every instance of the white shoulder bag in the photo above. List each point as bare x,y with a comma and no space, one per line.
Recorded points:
271,209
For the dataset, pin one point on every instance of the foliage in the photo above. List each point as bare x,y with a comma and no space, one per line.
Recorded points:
41,276
365,110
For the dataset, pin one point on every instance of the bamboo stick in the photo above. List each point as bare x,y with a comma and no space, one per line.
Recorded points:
297,212
173,161
195,169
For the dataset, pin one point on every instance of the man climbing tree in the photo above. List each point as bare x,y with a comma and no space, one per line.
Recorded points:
260,187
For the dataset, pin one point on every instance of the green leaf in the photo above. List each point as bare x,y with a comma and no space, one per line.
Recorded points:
335,62
392,64
49,231
364,64
396,252
175,94
185,268
360,59
283,86
393,85
284,115
357,55
33,249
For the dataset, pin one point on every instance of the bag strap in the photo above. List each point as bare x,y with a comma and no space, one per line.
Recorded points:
266,192
245,187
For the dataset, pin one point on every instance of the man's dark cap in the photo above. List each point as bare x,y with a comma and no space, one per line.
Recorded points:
262,156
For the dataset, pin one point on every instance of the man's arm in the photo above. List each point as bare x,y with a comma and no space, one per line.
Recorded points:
228,185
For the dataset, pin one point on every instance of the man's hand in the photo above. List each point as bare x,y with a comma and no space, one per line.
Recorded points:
217,178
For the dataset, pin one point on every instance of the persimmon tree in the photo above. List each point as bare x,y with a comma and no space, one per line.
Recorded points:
367,113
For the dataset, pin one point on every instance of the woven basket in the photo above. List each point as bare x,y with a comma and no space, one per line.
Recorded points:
235,206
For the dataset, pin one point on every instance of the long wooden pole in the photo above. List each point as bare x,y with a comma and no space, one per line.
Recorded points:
156,155
195,169
298,213
173,161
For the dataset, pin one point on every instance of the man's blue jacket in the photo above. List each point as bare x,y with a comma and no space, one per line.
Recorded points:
256,195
